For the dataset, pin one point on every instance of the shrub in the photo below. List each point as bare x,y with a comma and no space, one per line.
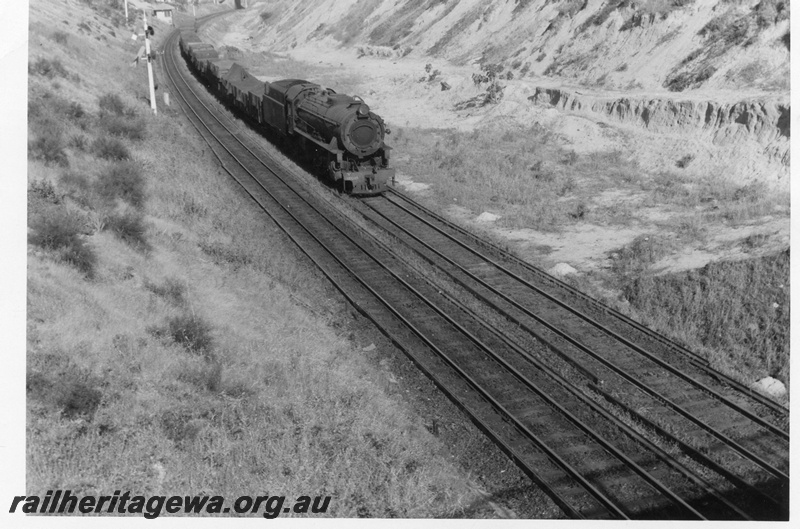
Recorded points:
684,162
45,190
74,110
492,71
110,149
769,12
172,290
59,36
569,158
54,228
120,126
112,104
191,332
60,107
580,211
128,226
61,384
752,192
122,181
726,29
494,93
682,81
49,147
179,427
570,7
633,260
80,399
79,142
57,229
48,68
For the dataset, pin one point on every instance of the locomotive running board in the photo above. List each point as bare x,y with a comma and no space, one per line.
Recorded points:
330,147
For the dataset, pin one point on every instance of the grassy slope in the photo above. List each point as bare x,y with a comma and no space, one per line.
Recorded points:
185,365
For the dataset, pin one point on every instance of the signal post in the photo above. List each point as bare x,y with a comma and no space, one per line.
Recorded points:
149,65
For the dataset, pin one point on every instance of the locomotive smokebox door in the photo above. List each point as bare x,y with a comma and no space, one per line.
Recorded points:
363,134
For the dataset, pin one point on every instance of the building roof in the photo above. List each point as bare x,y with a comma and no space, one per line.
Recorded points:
162,8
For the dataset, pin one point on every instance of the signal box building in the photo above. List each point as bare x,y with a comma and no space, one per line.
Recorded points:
163,13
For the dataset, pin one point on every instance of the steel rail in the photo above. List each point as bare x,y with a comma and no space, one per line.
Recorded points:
571,388
608,363
608,504
653,358
689,450
697,360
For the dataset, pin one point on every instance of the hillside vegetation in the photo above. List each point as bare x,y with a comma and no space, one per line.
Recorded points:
645,44
177,342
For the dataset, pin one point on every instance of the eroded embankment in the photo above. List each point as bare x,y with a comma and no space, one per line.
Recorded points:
766,121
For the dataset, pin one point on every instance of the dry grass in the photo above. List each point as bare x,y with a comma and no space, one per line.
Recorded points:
527,177
524,175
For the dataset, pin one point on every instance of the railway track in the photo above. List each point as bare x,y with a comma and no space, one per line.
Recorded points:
678,390
549,408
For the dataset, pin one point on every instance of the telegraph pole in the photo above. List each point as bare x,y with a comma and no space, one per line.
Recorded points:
149,65
126,14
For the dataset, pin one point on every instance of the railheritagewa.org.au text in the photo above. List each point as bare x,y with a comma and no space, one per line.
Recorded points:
64,502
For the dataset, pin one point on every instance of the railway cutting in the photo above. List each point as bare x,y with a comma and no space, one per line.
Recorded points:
610,419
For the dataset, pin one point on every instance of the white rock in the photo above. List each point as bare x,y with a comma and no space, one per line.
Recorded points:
562,269
411,185
770,386
487,217
370,347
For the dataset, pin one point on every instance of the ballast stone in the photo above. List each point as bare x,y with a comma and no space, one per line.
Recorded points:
770,386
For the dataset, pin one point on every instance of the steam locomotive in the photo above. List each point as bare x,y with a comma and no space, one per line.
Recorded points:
338,133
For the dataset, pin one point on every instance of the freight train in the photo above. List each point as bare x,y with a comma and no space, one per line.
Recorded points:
338,134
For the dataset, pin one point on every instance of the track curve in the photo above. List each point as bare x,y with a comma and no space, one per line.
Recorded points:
566,436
